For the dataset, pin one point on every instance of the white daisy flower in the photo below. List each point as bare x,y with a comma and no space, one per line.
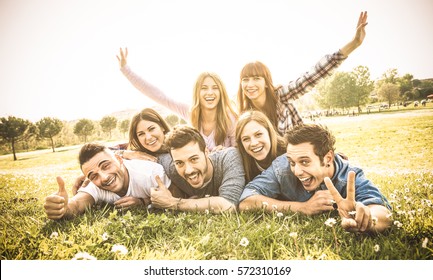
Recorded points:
244,242
424,242
330,222
120,249
83,256
105,236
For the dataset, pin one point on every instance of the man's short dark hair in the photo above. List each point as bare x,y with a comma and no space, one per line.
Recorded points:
318,135
88,151
181,135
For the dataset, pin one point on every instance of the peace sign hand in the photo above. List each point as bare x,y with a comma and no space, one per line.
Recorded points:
355,216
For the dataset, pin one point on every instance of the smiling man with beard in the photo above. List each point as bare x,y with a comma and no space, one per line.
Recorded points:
112,180
204,181
310,178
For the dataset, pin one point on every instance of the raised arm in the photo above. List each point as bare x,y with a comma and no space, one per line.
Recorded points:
150,90
359,36
324,68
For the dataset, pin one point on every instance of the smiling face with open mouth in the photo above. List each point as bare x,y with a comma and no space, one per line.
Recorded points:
254,87
209,94
150,135
107,172
256,141
193,164
307,166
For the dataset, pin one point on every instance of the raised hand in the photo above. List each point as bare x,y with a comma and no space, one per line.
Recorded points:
56,204
161,197
355,215
360,29
122,57
359,35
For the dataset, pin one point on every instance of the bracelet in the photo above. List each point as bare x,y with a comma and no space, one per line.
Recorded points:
120,153
177,204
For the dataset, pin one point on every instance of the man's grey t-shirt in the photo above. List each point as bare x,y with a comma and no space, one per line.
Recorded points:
228,179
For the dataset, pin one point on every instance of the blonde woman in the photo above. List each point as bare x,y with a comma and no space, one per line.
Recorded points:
258,142
211,113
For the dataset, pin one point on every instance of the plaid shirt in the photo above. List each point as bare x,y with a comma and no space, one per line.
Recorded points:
288,116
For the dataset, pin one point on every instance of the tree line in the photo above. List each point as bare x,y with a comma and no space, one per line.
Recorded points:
17,134
343,90
356,89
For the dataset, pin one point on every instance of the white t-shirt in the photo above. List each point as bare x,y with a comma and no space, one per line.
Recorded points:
141,179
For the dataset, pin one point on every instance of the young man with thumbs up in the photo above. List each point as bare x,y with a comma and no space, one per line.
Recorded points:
122,183
204,181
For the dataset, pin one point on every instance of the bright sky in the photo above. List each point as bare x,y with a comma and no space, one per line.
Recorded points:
58,57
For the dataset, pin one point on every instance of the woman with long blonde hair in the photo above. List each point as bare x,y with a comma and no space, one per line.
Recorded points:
258,142
211,113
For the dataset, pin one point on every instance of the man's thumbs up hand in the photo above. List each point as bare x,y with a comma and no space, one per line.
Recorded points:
56,204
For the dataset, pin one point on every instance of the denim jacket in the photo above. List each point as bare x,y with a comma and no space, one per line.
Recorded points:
279,182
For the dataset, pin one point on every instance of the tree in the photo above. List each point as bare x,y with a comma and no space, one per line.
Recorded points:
340,90
48,128
29,135
124,126
14,130
388,92
320,94
108,123
84,127
390,76
425,87
407,90
363,85
173,120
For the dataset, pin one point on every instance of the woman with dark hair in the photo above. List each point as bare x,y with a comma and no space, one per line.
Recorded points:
257,92
146,140
146,135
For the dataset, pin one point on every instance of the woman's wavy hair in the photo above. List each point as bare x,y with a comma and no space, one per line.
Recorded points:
225,109
278,143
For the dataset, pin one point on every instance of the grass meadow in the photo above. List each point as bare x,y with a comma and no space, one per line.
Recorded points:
394,148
